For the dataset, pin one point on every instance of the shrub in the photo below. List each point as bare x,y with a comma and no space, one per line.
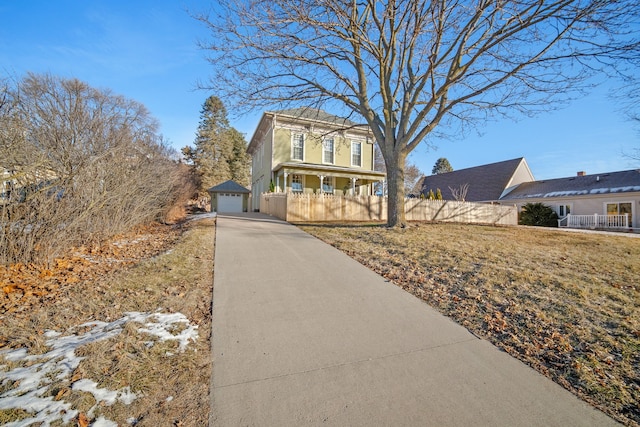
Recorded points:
538,214
83,165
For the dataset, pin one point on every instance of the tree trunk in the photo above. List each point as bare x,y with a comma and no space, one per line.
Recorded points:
395,190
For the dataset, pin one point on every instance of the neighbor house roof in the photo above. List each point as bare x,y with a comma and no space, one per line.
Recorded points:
485,183
604,183
228,187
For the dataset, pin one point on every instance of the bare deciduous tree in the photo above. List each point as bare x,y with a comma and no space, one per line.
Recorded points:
412,173
460,193
413,68
83,165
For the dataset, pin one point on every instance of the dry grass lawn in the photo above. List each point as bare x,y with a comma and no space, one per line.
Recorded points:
567,304
165,270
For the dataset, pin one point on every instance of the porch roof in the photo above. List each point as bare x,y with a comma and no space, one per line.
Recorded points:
329,170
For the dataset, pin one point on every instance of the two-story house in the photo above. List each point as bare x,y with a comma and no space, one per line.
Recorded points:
306,150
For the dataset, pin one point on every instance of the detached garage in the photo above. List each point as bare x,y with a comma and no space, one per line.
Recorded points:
229,197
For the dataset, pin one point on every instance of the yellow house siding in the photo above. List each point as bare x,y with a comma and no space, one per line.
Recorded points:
261,166
282,146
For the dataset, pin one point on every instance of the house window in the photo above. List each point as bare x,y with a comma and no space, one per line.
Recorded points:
328,184
625,208
327,150
297,147
356,153
296,183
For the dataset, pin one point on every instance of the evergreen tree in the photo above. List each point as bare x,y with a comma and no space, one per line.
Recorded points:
431,196
220,150
438,194
442,165
538,214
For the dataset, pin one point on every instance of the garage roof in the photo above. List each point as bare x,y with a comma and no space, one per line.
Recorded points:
228,187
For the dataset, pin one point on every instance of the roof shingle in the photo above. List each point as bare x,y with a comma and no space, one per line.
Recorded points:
228,187
605,183
486,182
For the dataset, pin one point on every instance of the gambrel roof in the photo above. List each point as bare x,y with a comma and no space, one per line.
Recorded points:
486,183
585,185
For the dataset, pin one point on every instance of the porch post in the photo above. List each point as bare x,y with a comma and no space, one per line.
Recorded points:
321,183
284,184
353,186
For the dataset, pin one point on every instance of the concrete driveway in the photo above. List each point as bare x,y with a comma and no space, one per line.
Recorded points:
303,335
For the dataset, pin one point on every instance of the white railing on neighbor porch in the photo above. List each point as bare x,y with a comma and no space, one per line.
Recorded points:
594,221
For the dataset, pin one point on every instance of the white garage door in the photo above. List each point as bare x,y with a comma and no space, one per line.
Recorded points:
229,202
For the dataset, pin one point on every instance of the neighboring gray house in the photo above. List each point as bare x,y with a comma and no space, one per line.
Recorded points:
229,197
605,200
486,183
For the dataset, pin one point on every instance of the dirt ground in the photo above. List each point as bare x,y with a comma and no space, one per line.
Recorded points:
158,272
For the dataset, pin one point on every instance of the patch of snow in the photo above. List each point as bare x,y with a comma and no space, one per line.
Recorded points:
599,190
109,397
567,193
162,329
102,422
52,334
31,383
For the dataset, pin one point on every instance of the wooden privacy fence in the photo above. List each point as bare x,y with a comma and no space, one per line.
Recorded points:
327,207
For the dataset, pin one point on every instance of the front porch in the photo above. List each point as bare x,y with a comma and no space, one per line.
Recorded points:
595,221
323,179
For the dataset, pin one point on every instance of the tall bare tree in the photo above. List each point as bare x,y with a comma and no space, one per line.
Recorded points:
412,69
412,173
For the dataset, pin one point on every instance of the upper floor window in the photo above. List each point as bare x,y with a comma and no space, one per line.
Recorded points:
297,147
356,153
327,150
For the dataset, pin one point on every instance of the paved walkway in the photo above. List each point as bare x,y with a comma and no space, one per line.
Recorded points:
303,335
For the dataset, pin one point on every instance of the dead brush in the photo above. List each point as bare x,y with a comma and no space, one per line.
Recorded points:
169,386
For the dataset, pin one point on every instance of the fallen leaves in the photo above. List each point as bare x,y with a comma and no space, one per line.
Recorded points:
102,284
576,321
25,286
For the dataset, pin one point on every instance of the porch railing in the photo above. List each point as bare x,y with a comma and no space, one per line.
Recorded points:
594,221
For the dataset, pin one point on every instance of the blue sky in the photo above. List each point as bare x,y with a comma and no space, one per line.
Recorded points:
146,50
